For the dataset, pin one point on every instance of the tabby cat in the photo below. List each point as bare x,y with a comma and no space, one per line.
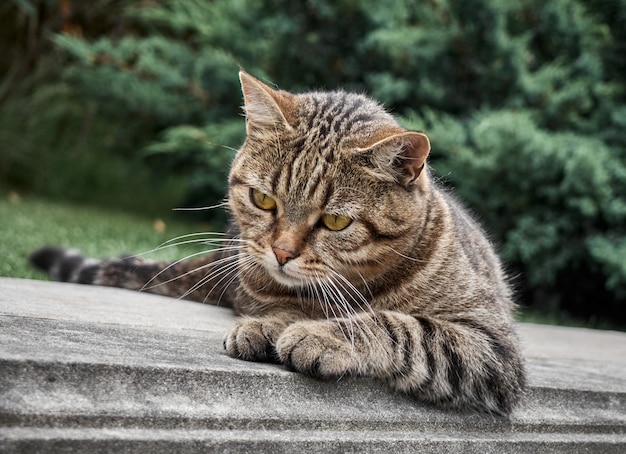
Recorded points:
344,258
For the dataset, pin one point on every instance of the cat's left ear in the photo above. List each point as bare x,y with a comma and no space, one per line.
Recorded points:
267,110
401,155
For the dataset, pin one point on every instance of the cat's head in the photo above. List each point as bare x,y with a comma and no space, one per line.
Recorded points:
326,184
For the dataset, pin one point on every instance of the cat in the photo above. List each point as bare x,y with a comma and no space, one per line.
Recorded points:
344,257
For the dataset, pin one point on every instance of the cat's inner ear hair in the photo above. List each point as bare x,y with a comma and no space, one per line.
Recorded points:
266,109
415,150
399,157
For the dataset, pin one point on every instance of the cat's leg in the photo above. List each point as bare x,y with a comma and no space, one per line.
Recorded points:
203,279
461,363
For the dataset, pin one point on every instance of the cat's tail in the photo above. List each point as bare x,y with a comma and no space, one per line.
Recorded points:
211,278
70,265
65,265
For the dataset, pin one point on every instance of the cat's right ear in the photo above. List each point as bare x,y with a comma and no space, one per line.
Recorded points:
267,110
399,156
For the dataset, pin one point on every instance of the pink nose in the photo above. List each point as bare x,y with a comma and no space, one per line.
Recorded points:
283,256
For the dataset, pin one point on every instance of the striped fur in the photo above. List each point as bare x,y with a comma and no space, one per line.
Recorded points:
410,292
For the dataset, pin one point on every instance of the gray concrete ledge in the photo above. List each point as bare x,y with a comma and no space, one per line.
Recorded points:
92,369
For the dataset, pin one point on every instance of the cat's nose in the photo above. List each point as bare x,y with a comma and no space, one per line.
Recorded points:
283,256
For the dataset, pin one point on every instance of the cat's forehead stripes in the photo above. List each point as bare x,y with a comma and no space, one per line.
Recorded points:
331,119
330,124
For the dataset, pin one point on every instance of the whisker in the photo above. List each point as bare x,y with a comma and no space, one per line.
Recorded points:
199,241
317,296
353,288
324,288
363,327
223,267
313,296
219,205
356,317
344,304
147,287
406,256
170,242
248,265
223,271
188,235
227,266
368,307
226,147
366,285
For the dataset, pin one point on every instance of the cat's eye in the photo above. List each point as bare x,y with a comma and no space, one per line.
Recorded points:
336,221
262,200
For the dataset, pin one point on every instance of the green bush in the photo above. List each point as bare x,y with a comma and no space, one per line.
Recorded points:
56,141
555,201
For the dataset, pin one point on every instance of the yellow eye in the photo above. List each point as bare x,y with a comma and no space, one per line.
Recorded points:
336,221
261,200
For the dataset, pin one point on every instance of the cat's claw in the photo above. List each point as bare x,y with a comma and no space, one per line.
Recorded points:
314,351
253,340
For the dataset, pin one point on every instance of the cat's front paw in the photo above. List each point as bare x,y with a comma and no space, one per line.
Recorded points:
314,349
253,339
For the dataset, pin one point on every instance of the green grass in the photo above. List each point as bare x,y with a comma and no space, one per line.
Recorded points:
26,224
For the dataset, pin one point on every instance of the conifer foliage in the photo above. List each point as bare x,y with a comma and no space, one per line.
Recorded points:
525,104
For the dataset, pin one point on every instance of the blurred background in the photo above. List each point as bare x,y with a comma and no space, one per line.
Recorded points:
114,112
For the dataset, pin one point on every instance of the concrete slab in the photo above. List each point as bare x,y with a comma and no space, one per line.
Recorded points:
101,369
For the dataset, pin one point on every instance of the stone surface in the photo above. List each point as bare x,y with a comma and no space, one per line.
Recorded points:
92,369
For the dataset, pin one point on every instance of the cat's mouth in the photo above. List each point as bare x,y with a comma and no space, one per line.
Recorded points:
288,274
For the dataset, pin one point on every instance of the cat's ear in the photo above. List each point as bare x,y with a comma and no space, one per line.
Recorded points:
400,156
266,109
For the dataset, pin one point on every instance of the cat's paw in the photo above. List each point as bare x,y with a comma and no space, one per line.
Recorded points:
253,339
313,349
